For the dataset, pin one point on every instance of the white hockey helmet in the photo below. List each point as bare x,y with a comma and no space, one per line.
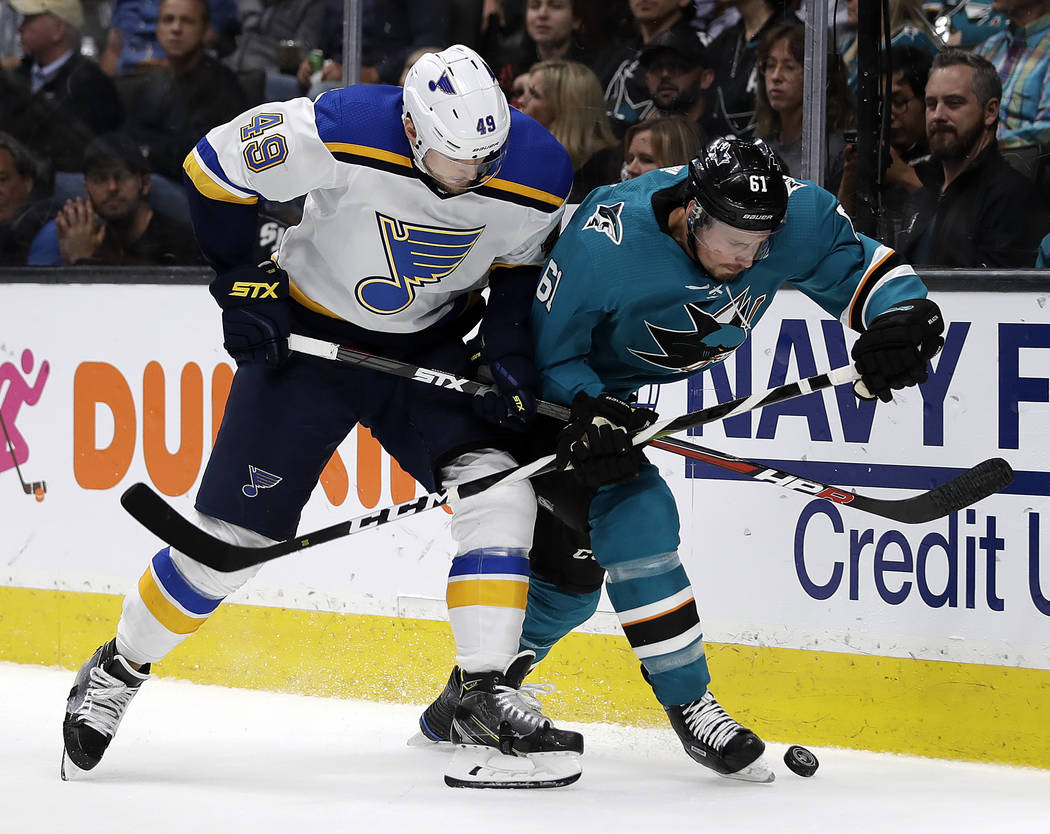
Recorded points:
460,115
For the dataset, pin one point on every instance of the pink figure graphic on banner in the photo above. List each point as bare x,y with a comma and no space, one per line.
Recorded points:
19,392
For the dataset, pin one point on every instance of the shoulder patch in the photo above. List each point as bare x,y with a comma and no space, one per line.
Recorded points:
606,219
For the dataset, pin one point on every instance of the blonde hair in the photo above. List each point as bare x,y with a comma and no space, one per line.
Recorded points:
578,105
674,139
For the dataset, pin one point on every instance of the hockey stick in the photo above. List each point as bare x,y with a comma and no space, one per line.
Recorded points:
150,510
36,488
967,488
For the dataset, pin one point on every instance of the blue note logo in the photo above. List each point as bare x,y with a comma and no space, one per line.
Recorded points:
416,255
259,479
444,83
606,219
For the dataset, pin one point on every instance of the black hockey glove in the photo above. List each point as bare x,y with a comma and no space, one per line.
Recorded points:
597,440
517,382
892,353
256,316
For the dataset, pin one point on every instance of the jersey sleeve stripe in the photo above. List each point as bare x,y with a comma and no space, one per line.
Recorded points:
529,193
301,298
212,185
347,152
882,260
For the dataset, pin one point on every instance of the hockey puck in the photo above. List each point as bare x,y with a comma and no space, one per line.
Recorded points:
800,760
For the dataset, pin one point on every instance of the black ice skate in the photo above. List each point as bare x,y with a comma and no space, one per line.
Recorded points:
712,737
503,738
103,688
435,724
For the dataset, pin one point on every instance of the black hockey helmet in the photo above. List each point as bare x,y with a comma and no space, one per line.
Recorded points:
741,183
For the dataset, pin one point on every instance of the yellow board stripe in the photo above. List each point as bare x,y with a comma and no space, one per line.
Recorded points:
499,593
950,710
209,187
165,612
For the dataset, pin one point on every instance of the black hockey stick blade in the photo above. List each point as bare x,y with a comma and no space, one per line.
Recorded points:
986,478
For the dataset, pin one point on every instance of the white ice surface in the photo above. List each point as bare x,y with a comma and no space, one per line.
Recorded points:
206,759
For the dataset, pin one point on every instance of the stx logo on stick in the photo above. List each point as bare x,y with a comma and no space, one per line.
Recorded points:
439,379
798,484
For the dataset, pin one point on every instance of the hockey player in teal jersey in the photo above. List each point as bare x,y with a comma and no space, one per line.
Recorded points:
654,280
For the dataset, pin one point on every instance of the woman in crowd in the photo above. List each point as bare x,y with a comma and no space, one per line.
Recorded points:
566,98
908,27
660,143
778,102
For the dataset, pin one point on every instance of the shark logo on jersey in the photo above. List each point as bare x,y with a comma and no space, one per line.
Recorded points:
444,83
417,255
606,219
712,338
259,479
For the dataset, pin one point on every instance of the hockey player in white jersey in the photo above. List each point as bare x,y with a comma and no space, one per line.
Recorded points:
416,199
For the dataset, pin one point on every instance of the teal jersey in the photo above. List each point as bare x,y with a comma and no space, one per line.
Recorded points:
621,305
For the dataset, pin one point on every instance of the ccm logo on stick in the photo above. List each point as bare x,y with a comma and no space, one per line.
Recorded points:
783,479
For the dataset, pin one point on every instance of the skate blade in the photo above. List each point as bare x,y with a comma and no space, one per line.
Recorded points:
475,766
757,771
68,771
421,740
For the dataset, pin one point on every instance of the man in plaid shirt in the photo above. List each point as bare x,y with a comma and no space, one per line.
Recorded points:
1021,54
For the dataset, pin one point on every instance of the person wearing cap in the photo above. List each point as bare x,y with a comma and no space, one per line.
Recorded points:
56,100
116,225
678,76
626,95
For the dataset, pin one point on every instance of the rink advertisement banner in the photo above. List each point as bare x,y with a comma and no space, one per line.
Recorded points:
103,385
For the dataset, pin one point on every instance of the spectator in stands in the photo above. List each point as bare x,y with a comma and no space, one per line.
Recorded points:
1042,258
678,76
1021,56
115,225
23,210
908,27
56,101
626,94
973,21
566,98
550,32
778,101
660,143
390,30
909,161
734,56
180,102
131,40
265,26
979,211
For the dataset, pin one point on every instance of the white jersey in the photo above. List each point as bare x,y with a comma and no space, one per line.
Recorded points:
378,246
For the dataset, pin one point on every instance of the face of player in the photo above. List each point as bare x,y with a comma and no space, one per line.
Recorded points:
725,251
114,191
907,114
535,103
955,122
14,188
457,176
639,156
181,27
668,77
550,22
782,75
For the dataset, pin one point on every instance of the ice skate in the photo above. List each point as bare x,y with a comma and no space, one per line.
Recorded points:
435,722
103,688
503,739
712,737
